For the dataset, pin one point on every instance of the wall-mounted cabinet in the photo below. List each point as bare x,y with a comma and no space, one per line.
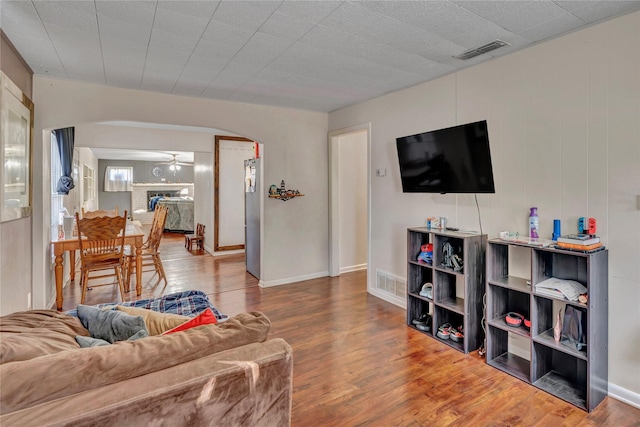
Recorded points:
579,376
456,296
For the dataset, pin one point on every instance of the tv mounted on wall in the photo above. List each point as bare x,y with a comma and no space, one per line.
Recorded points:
451,160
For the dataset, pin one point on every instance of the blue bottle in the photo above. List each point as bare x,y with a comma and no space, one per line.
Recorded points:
534,223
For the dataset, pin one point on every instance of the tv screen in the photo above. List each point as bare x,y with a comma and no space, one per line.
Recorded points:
451,160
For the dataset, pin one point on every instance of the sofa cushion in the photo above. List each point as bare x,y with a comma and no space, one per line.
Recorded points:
28,334
155,322
110,325
62,374
205,318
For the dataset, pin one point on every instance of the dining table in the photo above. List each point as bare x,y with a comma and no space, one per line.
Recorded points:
133,235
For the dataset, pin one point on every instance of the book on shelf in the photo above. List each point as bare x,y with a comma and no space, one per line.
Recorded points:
578,247
579,239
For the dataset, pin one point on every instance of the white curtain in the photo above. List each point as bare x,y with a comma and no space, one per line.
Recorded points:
117,178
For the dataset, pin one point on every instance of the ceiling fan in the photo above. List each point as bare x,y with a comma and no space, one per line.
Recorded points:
174,164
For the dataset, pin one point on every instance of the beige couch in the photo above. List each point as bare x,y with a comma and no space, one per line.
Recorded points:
224,374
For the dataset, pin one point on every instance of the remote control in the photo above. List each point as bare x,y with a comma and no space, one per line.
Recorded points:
452,229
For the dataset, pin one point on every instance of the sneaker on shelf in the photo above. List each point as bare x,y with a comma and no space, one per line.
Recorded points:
456,334
443,331
427,290
426,326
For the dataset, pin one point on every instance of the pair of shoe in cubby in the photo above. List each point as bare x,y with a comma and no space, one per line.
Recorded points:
446,332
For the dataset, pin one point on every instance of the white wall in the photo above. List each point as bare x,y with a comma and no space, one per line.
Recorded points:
203,195
295,233
353,201
564,124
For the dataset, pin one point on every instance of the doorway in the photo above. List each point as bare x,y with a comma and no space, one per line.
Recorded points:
350,199
229,181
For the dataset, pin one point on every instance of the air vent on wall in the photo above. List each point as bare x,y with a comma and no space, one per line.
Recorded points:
472,53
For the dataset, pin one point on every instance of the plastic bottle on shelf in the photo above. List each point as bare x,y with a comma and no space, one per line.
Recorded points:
534,223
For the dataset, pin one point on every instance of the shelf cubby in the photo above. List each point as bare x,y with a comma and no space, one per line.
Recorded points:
560,374
442,316
499,356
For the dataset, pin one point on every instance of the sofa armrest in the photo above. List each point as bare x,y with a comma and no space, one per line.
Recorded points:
245,386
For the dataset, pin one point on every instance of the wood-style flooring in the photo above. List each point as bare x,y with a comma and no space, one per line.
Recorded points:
356,363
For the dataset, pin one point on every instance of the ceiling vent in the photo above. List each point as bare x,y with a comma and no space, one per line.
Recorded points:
472,53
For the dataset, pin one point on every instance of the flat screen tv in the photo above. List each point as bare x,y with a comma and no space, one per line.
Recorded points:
451,160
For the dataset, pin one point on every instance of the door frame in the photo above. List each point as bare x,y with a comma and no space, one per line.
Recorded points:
334,196
216,192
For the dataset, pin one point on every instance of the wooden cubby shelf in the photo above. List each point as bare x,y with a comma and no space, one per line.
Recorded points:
579,377
457,295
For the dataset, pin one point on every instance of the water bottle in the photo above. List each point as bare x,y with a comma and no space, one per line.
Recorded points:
534,223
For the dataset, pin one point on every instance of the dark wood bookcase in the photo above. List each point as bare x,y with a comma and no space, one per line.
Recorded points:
577,376
457,295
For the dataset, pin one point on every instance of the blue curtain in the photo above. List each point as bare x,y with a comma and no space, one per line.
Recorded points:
65,138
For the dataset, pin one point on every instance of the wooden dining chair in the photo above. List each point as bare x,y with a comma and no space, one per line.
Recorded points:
99,212
197,238
101,248
151,253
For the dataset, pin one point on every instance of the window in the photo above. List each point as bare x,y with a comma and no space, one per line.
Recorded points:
118,178
57,200
88,188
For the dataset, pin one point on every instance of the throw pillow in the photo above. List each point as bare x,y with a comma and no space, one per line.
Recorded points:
156,322
86,342
109,325
205,318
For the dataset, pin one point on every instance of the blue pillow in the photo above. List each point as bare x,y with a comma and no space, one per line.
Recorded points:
110,325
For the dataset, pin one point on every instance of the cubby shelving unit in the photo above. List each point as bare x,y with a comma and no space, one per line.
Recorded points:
578,376
457,295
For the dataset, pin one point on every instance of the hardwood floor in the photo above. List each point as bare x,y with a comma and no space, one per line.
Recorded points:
356,363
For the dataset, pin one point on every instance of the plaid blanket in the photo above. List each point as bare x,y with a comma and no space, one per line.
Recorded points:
187,303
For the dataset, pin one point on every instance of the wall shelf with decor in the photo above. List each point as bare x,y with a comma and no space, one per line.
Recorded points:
455,297
576,375
282,193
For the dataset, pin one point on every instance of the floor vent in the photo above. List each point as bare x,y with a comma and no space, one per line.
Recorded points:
391,284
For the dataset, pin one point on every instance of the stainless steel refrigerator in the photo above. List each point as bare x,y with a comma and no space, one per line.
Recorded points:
252,216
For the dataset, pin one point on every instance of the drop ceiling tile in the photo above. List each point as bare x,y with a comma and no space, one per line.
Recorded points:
80,15
325,37
124,30
234,75
183,24
161,39
262,49
352,18
554,27
285,26
383,7
215,50
246,14
226,34
139,12
514,16
593,11
442,18
311,11
198,8
19,18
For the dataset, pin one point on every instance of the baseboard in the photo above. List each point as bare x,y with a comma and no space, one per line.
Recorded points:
233,252
288,280
353,268
622,394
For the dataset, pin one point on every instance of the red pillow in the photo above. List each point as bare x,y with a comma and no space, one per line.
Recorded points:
205,318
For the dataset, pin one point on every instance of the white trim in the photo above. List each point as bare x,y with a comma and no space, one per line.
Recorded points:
233,252
624,395
288,280
386,296
334,196
351,268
